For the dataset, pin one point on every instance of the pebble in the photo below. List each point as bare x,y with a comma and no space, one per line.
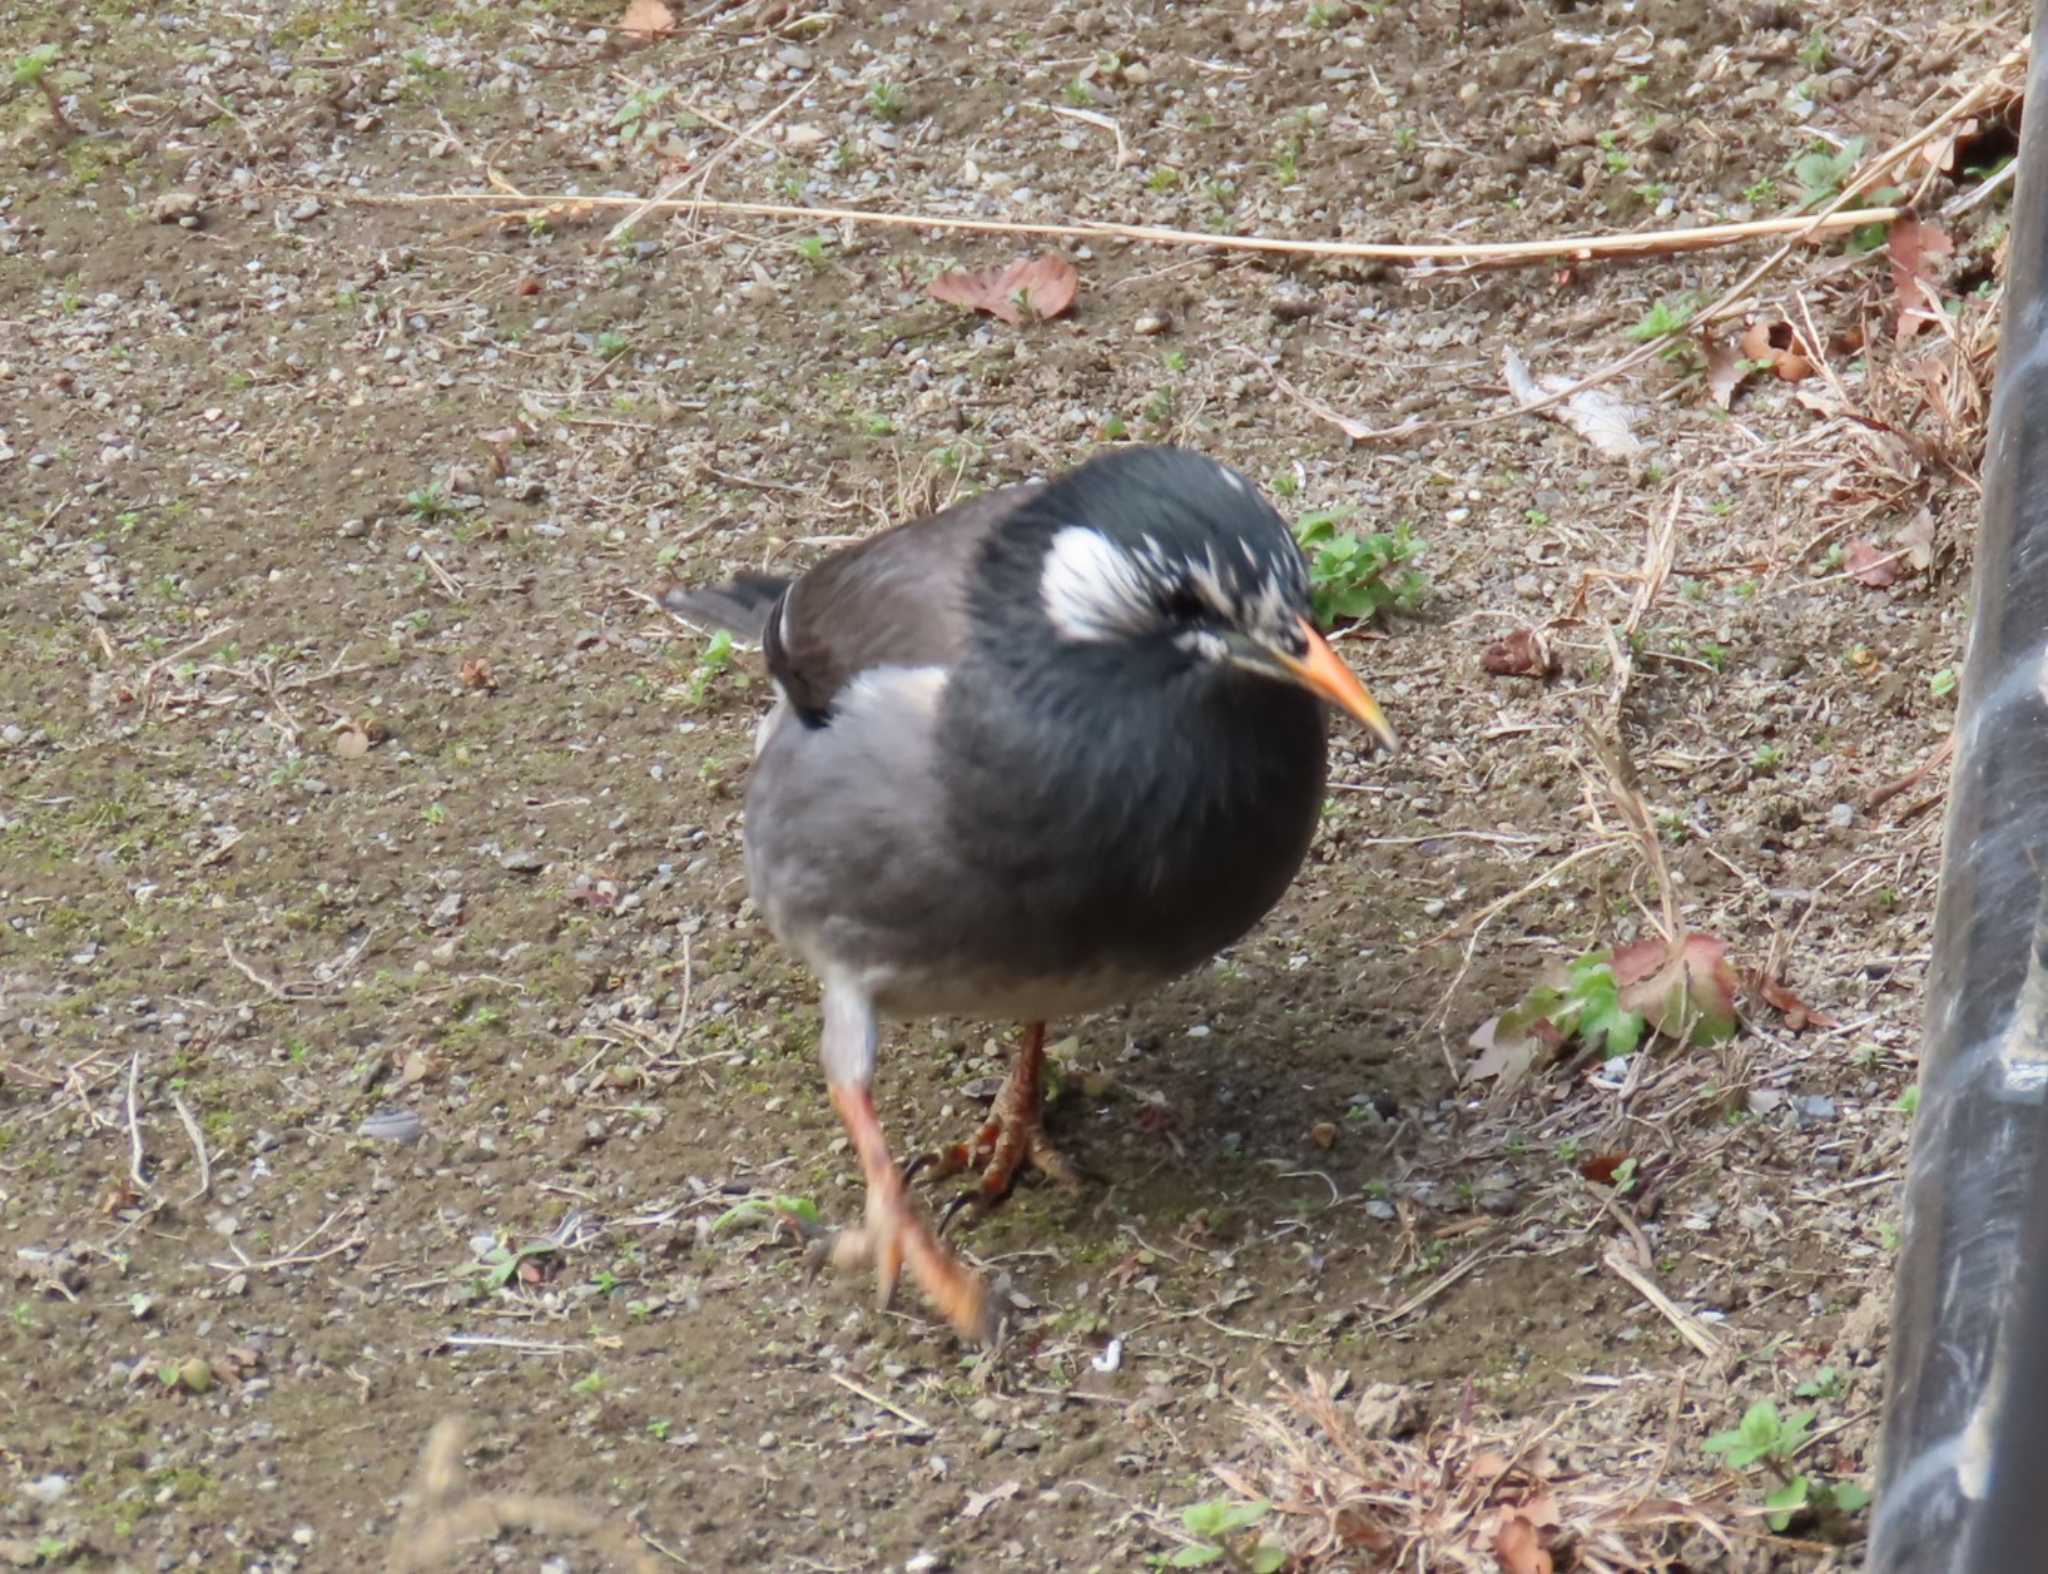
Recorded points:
393,1125
176,207
523,860
352,528
1149,323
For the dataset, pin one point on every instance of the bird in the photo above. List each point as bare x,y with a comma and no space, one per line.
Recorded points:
1031,756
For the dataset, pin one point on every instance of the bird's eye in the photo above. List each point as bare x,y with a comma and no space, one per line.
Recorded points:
1184,606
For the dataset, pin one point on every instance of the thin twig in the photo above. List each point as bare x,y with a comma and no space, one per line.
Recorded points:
887,1404
135,1127
1690,1328
250,973
448,582
1500,253
1436,1287
1494,909
198,1147
1093,118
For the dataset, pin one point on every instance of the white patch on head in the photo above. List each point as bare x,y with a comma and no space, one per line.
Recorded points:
894,688
1092,589
1206,643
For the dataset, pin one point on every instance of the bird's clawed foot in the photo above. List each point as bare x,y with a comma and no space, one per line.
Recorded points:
1013,1136
893,1237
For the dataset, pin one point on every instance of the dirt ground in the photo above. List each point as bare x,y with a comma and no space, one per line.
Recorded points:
384,1032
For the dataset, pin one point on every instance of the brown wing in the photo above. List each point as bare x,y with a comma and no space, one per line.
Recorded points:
896,600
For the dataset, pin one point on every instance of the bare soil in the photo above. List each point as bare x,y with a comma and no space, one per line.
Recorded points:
384,1031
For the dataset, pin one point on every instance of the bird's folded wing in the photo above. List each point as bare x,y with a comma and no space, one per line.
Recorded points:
895,600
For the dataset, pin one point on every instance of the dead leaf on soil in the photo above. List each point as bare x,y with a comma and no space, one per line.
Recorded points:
979,1503
646,20
1044,284
1776,346
419,1066
1519,1547
1510,1046
1726,371
1918,540
1601,1168
351,742
1916,250
1685,990
1596,415
476,674
1797,1013
1868,566
1323,1134
1523,654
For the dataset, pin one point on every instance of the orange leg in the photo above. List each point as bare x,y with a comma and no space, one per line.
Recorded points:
1013,1134
893,1236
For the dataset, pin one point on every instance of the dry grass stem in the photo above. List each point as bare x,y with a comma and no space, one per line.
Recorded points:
443,1512
1690,1328
1581,248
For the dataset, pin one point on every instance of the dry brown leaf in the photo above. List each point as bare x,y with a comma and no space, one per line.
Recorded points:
979,1503
1044,284
1916,250
419,1066
1797,1013
1918,540
476,674
1775,345
1323,1134
1868,566
1685,990
1519,1548
352,742
647,19
1523,654
1598,416
1726,371
1601,1168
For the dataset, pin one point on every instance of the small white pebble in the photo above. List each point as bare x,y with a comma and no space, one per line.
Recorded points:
1149,323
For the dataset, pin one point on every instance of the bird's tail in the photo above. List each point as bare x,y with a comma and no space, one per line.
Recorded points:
740,608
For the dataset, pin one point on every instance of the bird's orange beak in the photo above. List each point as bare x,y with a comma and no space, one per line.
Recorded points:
1324,675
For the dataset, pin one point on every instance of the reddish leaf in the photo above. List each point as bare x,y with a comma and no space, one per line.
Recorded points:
1523,654
1518,1548
1798,1014
1044,284
1775,345
1868,566
1916,250
647,19
1600,1168
1686,991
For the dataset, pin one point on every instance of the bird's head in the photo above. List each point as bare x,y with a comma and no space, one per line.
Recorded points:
1164,550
